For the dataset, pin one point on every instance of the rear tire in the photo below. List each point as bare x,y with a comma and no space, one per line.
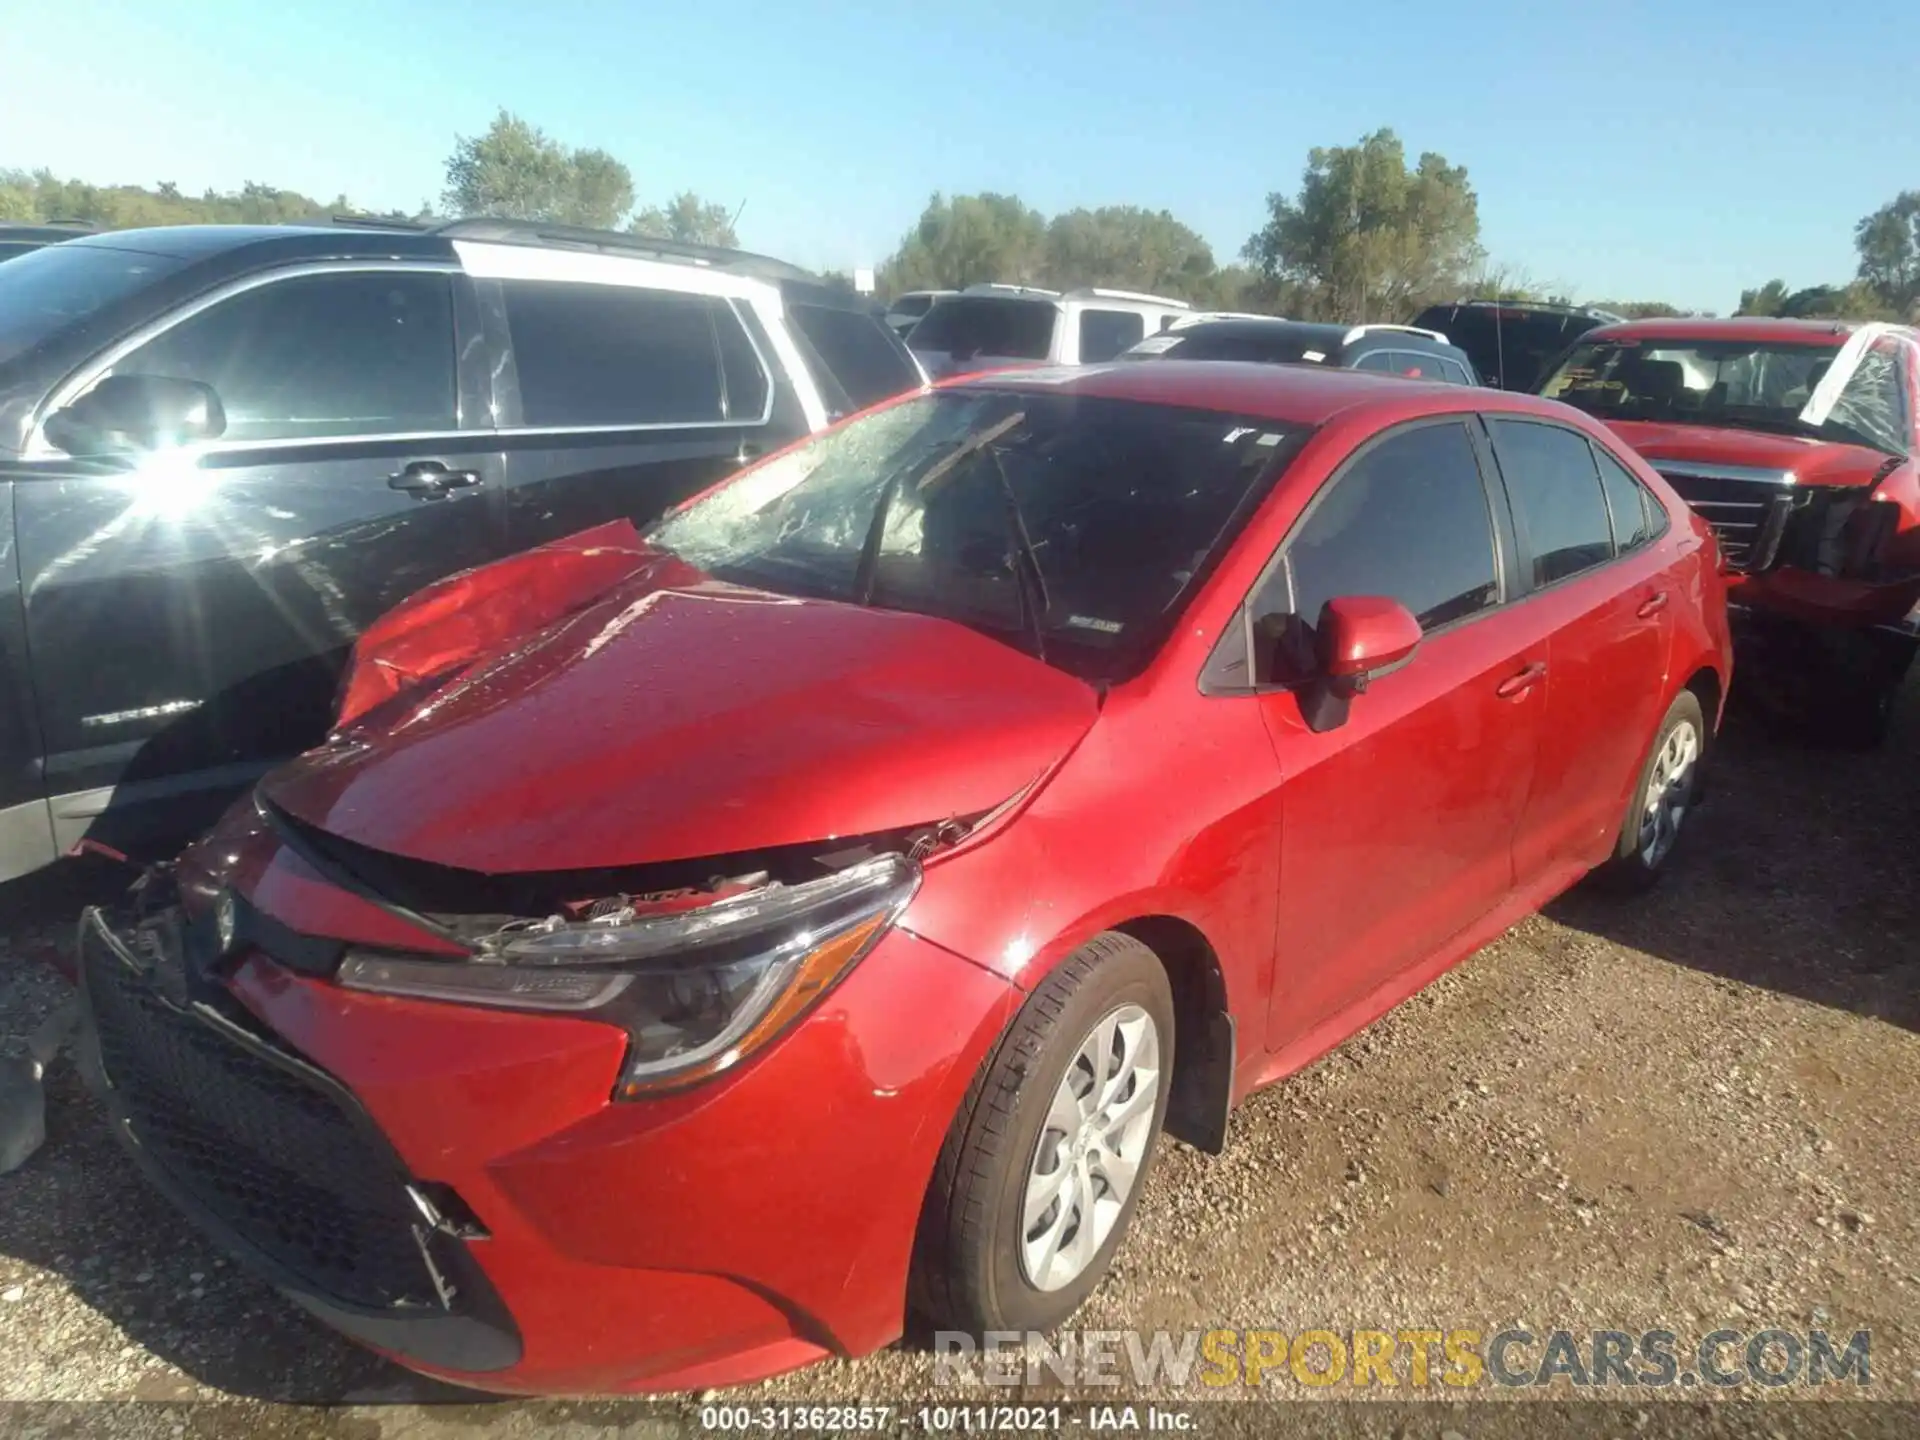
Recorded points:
1663,796
1046,1160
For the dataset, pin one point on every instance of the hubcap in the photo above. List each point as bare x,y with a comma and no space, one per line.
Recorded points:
1669,792
1090,1150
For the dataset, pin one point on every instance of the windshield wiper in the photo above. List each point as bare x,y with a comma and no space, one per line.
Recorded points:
1026,563
866,575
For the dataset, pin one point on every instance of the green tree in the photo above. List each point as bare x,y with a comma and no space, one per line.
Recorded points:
1126,247
1640,309
1888,242
969,240
519,172
688,219
1763,300
1369,237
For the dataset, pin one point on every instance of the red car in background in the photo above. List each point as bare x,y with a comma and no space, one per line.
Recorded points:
693,949
1798,440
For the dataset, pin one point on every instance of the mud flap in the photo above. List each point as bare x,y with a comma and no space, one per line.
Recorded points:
23,1100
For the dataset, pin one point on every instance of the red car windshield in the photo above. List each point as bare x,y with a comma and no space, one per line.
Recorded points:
1736,383
1070,525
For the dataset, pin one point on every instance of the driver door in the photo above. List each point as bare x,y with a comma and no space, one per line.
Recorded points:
1398,825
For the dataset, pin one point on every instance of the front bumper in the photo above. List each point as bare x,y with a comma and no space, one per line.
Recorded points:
713,1237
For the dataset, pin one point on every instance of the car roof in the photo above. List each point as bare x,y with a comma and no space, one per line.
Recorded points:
1752,328
1296,394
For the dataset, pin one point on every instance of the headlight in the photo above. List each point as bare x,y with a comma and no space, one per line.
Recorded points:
697,990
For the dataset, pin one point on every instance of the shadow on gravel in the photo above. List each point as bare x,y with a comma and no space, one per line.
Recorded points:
1801,873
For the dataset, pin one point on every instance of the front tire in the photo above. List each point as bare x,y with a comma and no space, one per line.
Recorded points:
1663,796
1046,1160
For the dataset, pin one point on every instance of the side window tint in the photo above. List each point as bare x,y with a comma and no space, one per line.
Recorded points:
612,354
1456,372
1627,501
359,353
858,349
1407,519
1105,333
1374,360
747,383
1550,475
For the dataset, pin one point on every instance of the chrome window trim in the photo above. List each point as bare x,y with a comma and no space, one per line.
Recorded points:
83,379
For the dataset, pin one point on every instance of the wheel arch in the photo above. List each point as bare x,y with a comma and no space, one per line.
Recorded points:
1201,1093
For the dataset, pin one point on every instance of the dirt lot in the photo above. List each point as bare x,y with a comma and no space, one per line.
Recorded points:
1698,1109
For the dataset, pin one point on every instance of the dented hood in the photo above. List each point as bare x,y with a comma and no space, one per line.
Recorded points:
670,721
1812,461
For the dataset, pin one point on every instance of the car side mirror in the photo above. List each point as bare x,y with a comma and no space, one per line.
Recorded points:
138,412
1358,638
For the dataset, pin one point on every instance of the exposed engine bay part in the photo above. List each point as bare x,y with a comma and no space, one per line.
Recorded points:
478,910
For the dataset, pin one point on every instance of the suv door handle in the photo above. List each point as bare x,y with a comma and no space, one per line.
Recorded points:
1652,605
1516,685
430,480
748,453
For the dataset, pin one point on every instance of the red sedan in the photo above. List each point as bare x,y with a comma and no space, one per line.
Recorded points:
692,950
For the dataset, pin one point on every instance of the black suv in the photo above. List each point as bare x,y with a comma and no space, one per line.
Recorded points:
1389,349
1512,344
19,239
225,449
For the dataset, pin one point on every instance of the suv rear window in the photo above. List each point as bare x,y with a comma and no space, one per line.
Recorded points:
1511,346
967,325
862,353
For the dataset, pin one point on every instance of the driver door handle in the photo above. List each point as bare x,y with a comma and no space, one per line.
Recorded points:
431,480
1517,685
1652,605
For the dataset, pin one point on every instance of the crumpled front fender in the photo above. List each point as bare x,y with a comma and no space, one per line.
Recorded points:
450,624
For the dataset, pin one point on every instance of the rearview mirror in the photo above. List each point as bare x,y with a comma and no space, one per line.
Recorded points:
138,412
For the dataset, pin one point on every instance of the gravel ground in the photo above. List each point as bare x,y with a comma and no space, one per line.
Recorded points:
1697,1109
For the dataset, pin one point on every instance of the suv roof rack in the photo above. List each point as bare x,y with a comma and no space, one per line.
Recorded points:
1101,292
1358,330
539,232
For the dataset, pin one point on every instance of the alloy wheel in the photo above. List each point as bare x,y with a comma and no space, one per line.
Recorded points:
1091,1147
1669,792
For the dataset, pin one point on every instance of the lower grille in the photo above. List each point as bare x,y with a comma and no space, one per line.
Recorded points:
1748,516
263,1149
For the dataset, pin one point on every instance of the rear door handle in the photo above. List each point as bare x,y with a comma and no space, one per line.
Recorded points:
430,480
748,453
1515,685
1652,605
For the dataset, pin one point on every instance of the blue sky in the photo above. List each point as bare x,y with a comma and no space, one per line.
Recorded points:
1635,150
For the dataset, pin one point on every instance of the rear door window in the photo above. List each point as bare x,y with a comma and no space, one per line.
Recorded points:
1555,488
1632,506
603,356
353,353
1105,333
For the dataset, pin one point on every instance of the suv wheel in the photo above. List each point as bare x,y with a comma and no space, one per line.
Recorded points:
1662,798
1046,1159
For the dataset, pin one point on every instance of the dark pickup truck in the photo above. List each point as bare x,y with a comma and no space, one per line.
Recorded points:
1797,440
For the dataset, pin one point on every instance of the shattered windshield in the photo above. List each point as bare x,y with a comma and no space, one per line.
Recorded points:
1735,383
1068,525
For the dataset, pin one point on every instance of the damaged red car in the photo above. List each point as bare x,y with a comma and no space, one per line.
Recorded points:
694,950
1799,441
